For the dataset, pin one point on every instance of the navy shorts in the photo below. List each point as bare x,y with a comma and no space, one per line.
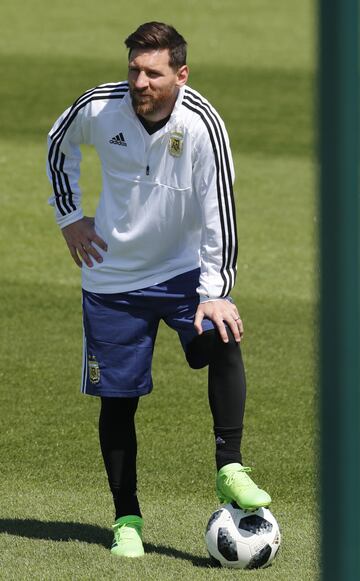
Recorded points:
120,331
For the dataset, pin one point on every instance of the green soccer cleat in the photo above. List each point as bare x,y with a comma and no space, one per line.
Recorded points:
127,537
234,484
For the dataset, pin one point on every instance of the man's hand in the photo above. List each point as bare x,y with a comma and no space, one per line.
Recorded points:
220,312
79,237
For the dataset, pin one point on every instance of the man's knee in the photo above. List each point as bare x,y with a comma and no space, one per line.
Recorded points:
208,347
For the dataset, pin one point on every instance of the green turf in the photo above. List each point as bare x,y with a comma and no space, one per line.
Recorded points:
254,60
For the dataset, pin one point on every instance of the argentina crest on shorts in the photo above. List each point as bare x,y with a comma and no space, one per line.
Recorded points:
94,369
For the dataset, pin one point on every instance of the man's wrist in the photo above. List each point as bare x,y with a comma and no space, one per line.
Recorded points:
70,218
205,299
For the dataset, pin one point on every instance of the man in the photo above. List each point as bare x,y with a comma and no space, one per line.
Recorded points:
162,246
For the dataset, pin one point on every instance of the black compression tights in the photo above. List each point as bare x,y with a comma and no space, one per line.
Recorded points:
119,447
227,392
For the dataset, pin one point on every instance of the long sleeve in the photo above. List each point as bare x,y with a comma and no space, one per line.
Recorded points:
213,183
63,164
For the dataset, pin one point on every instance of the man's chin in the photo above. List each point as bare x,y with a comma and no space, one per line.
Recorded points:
143,109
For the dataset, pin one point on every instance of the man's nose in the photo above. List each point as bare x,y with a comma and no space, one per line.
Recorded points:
141,80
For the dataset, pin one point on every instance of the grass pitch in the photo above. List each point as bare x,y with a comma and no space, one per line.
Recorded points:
254,60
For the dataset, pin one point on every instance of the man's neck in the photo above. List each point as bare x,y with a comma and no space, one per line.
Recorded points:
152,127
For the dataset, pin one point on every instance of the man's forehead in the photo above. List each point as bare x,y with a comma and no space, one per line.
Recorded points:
150,57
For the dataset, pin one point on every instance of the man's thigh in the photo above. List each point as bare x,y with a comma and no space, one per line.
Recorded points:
183,301
119,336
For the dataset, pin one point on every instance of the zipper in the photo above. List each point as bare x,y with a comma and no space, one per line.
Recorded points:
147,170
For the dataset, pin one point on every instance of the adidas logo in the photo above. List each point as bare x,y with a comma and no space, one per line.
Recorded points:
118,140
219,441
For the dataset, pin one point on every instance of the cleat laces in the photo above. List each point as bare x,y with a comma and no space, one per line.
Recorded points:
124,531
241,473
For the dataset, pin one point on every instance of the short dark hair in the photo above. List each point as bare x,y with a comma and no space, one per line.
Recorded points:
158,35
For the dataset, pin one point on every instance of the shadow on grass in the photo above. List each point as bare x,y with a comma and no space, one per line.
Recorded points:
86,533
175,553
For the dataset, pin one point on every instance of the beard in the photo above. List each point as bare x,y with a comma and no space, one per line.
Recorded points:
149,103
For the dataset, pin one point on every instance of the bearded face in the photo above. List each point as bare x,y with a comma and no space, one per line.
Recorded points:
153,83
149,102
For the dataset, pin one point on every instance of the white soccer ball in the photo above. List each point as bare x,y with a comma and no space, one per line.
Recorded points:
241,539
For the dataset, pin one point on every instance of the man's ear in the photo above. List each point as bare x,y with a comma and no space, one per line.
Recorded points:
182,75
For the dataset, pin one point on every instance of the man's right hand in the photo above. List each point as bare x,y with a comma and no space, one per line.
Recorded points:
80,237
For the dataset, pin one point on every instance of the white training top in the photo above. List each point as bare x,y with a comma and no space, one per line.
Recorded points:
167,203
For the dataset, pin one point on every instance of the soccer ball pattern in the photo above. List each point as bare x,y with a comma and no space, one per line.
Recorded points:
240,539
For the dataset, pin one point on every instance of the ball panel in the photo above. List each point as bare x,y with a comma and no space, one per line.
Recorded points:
255,524
215,515
226,544
260,559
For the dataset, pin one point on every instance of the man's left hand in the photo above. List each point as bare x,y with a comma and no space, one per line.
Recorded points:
220,312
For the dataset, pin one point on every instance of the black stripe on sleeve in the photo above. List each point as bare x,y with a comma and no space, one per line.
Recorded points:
60,179
228,191
60,193
119,89
225,194
221,215
67,182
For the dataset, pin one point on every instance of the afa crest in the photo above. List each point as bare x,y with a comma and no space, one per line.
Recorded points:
176,143
94,369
